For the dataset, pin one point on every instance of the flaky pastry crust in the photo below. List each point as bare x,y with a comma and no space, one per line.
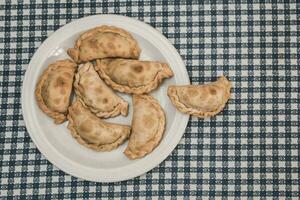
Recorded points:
61,75
95,95
138,145
201,100
104,42
106,137
160,71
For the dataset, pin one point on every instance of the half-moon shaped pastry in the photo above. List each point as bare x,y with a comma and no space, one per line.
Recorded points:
104,42
201,100
54,88
95,95
94,133
148,125
133,76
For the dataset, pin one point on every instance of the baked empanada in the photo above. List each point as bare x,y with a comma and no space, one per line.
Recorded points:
94,133
95,95
201,100
104,42
54,88
148,125
133,76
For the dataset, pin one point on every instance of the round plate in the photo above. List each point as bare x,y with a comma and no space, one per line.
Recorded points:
55,141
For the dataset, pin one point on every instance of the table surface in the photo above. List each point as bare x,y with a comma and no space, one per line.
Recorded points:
250,150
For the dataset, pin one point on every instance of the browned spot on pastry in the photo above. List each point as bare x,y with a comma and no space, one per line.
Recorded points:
67,75
98,90
57,100
102,45
86,126
138,68
148,121
212,91
93,43
192,92
105,100
59,82
119,46
111,45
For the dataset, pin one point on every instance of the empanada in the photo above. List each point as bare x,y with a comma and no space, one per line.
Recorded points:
104,42
148,125
133,76
201,100
95,95
94,133
54,88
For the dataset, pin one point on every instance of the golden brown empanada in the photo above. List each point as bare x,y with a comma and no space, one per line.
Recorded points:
201,100
95,95
133,76
94,133
148,125
54,88
104,42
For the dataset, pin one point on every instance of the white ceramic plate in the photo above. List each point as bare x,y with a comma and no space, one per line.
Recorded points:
56,143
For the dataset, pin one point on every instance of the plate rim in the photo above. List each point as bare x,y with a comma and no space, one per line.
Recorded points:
66,167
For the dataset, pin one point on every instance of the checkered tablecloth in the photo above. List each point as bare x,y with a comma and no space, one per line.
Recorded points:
250,150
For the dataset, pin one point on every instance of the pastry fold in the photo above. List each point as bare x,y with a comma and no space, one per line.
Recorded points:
95,95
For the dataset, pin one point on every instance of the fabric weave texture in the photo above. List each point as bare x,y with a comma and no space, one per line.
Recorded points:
250,150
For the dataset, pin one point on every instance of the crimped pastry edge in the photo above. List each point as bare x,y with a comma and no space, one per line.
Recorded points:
121,108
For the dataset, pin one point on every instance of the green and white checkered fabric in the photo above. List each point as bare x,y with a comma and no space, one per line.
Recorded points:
250,150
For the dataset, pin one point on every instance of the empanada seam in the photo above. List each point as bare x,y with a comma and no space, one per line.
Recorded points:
117,109
120,108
